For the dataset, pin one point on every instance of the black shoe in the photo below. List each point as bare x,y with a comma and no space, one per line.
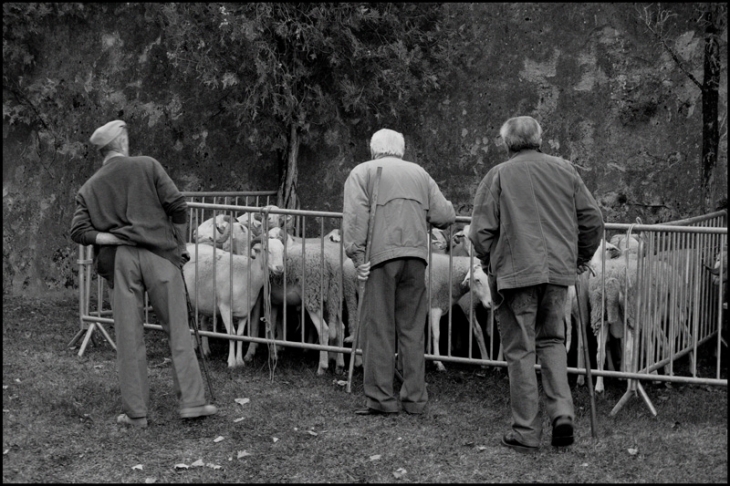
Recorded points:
371,411
510,441
562,431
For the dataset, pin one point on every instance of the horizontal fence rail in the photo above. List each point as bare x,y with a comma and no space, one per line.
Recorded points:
671,308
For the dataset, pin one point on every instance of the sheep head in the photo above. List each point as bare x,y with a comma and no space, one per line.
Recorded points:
213,231
275,253
478,284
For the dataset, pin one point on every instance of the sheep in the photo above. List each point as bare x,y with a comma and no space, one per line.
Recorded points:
571,310
224,234
620,302
460,243
445,293
337,276
720,267
476,281
235,294
219,232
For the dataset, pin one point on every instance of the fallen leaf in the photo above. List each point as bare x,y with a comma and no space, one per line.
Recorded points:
17,380
585,464
198,463
5,387
633,451
276,439
6,451
400,472
5,410
375,457
399,438
341,382
218,439
311,432
99,366
238,420
181,466
150,480
242,401
482,448
242,454
138,467
213,466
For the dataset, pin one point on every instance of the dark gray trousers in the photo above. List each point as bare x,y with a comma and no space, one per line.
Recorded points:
395,309
530,321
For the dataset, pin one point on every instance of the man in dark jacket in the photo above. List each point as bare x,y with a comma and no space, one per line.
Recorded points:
135,217
534,227
395,303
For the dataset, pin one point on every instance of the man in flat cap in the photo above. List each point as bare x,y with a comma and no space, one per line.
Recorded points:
135,217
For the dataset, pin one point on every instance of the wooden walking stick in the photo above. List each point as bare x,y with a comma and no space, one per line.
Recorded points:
582,319
361,283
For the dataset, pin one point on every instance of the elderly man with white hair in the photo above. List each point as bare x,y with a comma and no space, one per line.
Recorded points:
135,217
395,301
535,226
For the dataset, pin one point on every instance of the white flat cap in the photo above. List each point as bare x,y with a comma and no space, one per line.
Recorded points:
105,134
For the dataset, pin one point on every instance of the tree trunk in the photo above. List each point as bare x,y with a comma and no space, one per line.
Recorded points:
287,197
710,100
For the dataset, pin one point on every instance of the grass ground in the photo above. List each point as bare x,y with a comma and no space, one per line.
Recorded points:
59,425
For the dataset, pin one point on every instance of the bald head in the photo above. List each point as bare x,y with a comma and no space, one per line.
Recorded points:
520,133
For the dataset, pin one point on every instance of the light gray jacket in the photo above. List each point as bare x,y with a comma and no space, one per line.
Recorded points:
408,200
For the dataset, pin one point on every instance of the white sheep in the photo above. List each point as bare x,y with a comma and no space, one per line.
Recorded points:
720,266
334,277
620,302
460,243
480,294
219,232
235,292
445,293
224,234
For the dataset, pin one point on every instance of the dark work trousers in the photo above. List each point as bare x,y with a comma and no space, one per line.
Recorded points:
530,320
395,308
137,270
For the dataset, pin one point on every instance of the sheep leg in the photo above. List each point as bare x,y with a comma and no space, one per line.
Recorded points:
254,326
601,356
239,344
479,336
336,334
226,317
435,317
322,330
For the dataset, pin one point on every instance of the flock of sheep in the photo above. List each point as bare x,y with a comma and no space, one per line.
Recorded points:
315,273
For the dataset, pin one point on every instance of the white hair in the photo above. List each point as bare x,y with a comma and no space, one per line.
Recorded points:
387,142
118,144
520,133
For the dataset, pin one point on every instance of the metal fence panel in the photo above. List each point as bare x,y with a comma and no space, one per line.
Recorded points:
674,304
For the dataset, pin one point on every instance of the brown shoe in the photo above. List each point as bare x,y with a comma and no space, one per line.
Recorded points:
201,411
562,431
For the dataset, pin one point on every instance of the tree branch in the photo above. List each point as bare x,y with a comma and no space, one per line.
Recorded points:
662,17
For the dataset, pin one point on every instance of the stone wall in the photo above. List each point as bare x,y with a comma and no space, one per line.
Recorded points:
608,97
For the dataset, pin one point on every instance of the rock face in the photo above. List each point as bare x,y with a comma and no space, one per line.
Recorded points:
610,99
